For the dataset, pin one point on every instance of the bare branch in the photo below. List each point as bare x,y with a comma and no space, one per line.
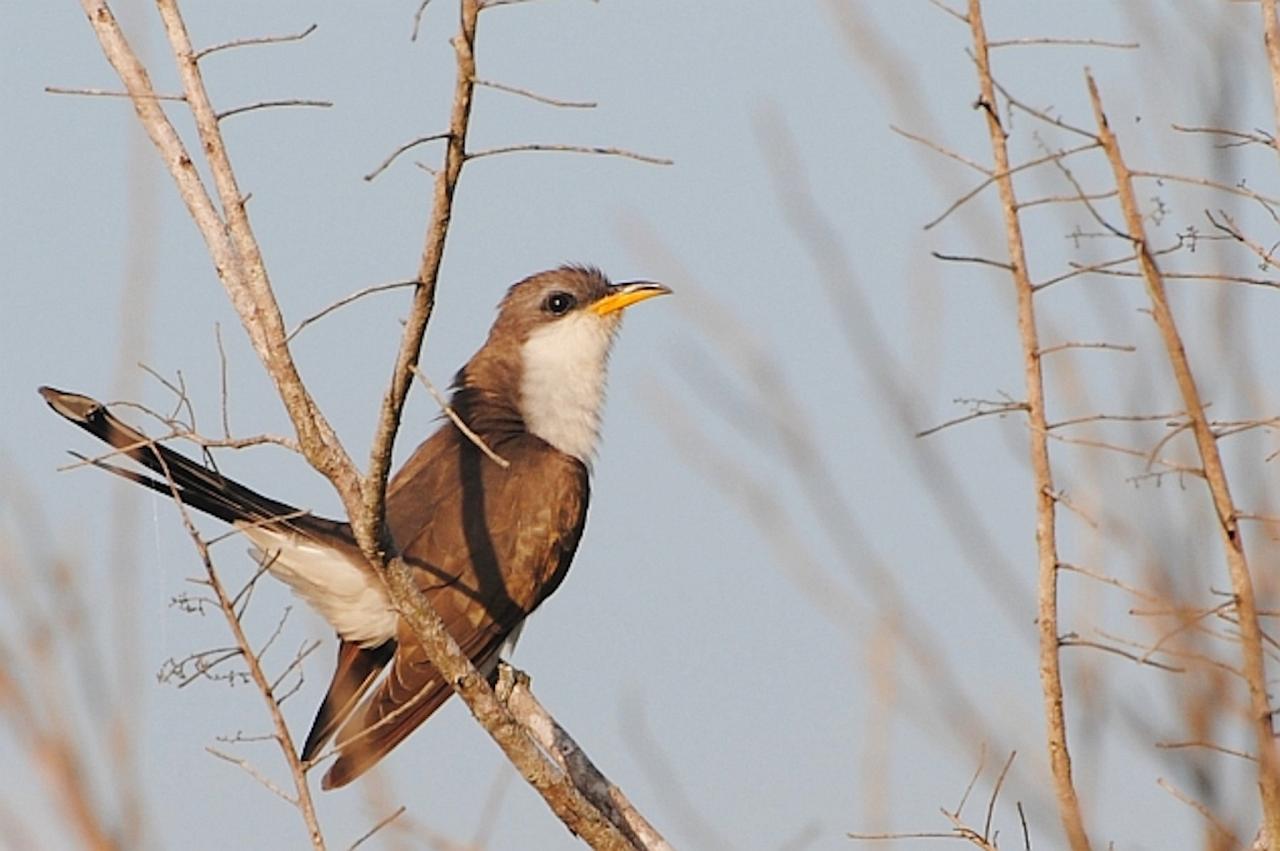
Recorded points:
1231,839
597,788
1212,746
995,794
999,175
1069,810
570,149
1251,637
271,104
1062,347
1228,226
245,42
983,409
1074,641
959,16
1242,137
946,152
963,258
399,811
1062,42
449,412
253,772
421,140
1271,37
568,104
61,90
344,301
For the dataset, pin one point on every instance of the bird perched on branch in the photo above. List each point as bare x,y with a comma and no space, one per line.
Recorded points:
488,540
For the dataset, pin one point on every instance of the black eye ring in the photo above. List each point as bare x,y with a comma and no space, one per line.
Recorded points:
559,303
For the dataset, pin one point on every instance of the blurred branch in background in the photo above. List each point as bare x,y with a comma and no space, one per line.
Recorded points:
58,703
1119,462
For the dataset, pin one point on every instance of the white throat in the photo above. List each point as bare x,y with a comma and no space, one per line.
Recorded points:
562,391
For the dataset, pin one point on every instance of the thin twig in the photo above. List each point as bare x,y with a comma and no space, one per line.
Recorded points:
996,411
222,380
570,149
457,420
977,772
344,301
400,811
1231,839
946,152
1244,138
567,104
1062,42
998,175
270,104
252,772
417,19
104,93
421,140
959,16
968,258
245,42
1072,641
1114,347
1212,746
297,770
995,794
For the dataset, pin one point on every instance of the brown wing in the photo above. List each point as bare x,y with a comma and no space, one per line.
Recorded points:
488,544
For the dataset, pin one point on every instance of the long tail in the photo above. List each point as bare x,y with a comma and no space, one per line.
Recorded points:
194,484
209,491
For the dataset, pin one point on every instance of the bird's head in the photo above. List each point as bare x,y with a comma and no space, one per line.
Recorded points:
548,352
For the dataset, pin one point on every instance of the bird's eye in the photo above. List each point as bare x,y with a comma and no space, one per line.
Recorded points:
558,303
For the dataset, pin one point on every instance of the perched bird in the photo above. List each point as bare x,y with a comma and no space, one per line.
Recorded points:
487,543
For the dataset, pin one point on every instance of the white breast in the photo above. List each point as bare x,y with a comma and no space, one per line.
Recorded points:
348,595
562,391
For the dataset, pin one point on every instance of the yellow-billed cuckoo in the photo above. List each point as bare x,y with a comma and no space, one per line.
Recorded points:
487,543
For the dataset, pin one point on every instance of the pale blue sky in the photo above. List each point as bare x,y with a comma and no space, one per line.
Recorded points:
676,607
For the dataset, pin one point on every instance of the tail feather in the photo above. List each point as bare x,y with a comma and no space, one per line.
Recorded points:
194,484
357,669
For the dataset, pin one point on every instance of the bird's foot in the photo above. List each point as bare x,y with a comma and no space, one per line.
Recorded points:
509,677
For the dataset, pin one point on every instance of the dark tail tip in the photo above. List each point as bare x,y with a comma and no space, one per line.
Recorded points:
337,776
73,406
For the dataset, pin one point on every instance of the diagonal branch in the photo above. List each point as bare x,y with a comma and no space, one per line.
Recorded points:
230,242
368,523
1251,639
1046,515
